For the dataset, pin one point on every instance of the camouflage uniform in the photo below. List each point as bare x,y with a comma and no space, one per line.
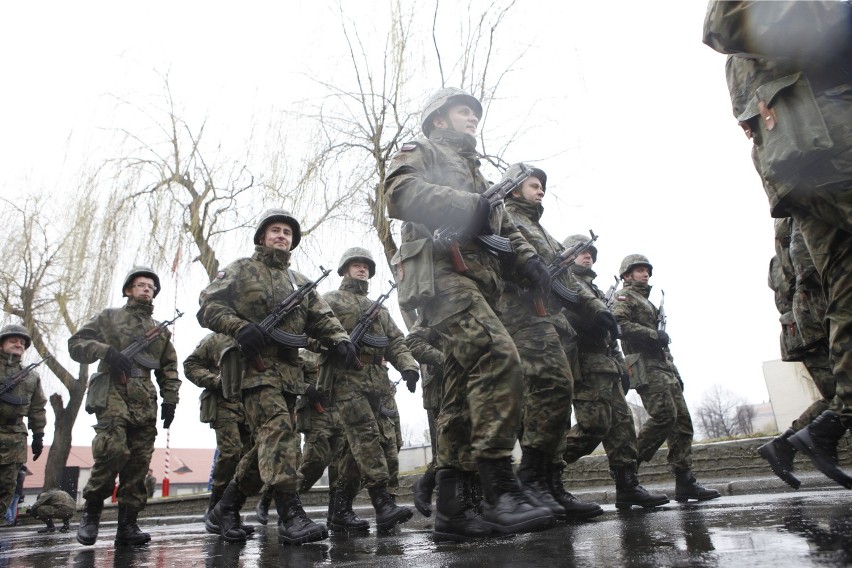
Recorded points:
789,79
391,431
127,426
54,504
228,419
13,431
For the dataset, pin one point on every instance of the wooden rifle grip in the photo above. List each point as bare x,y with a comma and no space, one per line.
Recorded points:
318,407
258,364
538,304
458,261
122,378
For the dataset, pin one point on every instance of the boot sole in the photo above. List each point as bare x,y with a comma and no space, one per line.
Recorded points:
768,453
627,506
581,516
129,543
344,528
803,442
85,542
441,536
311,537
691,498
403,516
531,525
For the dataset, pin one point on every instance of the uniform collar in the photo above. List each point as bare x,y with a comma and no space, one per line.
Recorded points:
139,307
582,272
357,287
462,142
273,257
11,359
643,289
532,210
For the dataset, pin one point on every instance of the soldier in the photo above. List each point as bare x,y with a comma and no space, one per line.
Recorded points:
358,394
53,503
656,379
541,339
801,302
789,77
226,417
600,408
432,182
124,399
390,429
240,296
26,399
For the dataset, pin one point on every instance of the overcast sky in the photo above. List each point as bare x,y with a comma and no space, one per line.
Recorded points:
623,107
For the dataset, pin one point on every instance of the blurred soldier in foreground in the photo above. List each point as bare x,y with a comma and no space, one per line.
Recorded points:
122,396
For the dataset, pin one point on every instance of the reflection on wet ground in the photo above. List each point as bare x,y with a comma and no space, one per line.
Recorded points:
787,529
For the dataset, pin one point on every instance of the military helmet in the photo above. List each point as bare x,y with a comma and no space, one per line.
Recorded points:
140,271
632,260
279,216
13,330
515,169
574,239
443,98
353,254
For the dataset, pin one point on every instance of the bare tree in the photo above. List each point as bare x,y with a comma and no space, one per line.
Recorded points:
720,414
745,419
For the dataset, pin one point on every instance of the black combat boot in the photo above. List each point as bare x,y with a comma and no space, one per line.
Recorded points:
294,526
422,490
505,509
818,440
779,452
574,508
532,473
686,488
455,515
388,513
473,489
87,532
226,514
343,518
261,510
209,522
49,528
628,492
66,526
246,528
128,532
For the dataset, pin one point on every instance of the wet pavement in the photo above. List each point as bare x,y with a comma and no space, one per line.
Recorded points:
812,528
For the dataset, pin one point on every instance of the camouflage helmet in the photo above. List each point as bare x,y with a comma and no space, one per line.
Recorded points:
632,260
443,98
140,271
14,330
574,239
515,169
280,216
353,254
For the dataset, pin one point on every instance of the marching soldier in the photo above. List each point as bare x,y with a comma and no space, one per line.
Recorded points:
124,399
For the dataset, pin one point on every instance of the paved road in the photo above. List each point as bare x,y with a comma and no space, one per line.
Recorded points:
811,528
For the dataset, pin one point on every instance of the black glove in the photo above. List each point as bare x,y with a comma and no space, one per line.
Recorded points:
663,338
167,413
481,223
607,322
624,376
536,272
316,396
347,352
251,338
38,445
679,380
411,377
118,361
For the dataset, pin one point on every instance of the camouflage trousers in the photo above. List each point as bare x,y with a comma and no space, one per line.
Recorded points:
388,430
54,504
602,416
483,388
123,449
816,361
269,411
360,417
669,421
548,387
8,482
432,394
233,439
326,447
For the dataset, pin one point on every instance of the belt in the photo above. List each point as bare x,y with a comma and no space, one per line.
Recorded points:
371,359
10,422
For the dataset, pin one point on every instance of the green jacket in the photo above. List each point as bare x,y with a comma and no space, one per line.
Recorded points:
202,369
13,432
597,351
638,319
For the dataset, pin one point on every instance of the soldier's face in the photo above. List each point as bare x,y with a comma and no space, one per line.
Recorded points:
278,236
142,288
460,118
359,270
584,259
14,345
640,274
531,190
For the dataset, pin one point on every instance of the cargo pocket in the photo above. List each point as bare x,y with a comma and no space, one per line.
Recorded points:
414,274
97,393
636,369
208,400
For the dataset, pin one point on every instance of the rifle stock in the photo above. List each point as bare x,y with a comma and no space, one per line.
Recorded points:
135,349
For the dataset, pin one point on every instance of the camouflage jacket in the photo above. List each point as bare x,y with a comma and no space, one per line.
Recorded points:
598,352
202,368
789,75
638,319
54,503
436,181
420,342
118,328
12,415
349,303
246,291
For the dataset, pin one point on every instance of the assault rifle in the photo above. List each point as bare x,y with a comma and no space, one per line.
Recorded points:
661,318
450,237
135,349
282,310
359,333
559,265
15,380
609,298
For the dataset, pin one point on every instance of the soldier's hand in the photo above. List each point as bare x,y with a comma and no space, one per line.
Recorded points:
482,218
536,272
316,397
251,339
607,322
624,376
38,445
663,338
679,380
167,413
347,352
119,361
411,377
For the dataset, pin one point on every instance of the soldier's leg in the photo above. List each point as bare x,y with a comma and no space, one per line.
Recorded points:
816,361
453,421
317,453
620,442
392,458
269,413
593,412
662,413
111,453
230,443
679,440
8,481
132,494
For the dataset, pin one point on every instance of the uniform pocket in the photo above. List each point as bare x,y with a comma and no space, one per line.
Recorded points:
414,274
98,393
